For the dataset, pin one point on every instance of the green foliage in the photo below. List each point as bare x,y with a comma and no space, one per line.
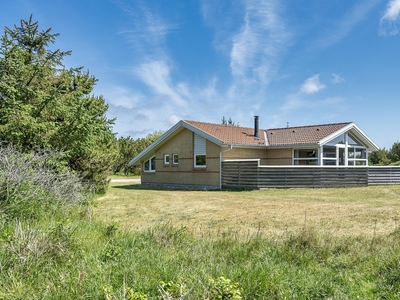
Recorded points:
385,157
394,152
128,148
229,122
129,294
111,252
36,184
300,266
43,104
112,229
379,158
172,290
223,288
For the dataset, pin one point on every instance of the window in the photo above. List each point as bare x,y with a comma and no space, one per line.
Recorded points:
199,151
166,159
175,159
305,157
357,156
200,160
150,165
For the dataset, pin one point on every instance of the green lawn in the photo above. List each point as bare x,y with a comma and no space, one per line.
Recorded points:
273,212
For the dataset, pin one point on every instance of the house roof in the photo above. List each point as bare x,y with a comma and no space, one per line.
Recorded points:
244,137
231,135
302,134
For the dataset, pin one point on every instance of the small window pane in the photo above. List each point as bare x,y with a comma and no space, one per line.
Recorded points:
200,160
153,164
166,159
175,159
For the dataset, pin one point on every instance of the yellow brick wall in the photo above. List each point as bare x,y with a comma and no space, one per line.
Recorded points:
266,156
279,157
184,172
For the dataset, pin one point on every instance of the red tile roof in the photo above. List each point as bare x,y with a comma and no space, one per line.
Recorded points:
231,134
276,137
302,135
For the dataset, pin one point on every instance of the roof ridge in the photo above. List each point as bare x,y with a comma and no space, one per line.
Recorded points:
222,125
308,126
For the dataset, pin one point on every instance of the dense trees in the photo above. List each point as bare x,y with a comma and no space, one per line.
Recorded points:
385,157
45,104
128,148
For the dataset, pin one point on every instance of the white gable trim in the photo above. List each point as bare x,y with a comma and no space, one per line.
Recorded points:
359,134
170,133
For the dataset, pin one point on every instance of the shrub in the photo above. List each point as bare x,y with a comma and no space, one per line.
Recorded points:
36,183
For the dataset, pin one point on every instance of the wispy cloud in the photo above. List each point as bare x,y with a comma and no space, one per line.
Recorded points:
337,79
156,75
390,18
148,28
312,85
261,40
343,26
121,96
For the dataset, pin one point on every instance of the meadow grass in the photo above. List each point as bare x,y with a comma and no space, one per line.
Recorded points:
274,212
157,244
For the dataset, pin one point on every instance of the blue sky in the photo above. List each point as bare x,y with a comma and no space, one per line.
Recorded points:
298,62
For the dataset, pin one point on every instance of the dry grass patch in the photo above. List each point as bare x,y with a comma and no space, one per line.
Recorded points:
274,212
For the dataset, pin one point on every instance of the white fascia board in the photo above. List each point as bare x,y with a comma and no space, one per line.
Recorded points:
360,134
266,138
354,129
334,135
171,132
202,133
295,146
157,142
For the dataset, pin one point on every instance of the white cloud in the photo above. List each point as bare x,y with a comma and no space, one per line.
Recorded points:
259,43
156,75
312,85
121,96
337,79
148,30
390,18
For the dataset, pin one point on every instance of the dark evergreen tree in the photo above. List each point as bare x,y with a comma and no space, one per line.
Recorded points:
45,104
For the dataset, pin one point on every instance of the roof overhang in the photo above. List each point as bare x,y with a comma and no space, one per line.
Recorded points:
149,151
356,133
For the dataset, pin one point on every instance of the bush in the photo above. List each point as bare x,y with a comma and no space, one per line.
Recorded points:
37,183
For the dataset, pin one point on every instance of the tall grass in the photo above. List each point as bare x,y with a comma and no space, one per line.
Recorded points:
82,260
69,254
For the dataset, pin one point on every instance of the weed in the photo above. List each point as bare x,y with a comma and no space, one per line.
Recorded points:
223,288
112,229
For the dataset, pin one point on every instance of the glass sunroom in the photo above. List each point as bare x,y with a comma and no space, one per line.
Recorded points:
344,150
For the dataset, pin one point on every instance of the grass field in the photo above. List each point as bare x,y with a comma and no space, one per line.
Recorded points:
269,244
369,211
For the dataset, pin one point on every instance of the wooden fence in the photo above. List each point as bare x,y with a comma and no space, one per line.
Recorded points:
249,174
383,175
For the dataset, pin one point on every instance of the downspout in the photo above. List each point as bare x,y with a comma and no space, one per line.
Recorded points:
220,165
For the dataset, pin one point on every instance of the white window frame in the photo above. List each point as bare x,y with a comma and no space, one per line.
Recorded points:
200,144
312,160
152,164
166,159
195,161
175,162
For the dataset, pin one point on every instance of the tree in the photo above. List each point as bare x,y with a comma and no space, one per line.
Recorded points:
128,148
394,152
44,104
379,157
229,122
